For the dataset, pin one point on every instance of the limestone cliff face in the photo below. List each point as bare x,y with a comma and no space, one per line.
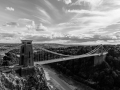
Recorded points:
33,81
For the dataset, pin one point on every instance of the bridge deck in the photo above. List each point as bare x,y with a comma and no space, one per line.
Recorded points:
68,58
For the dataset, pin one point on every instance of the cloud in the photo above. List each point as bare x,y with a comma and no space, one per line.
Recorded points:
68,39
30,24
92,25
109,5
44,20
9,37
83,21
4,35
25,20
37,38
92,3
66,1
44,13
40,27
53,8
50,5
15,24
86,12
43,16
9,8
87,38
94,21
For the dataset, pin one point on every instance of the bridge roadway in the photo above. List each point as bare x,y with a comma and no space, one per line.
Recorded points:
68,58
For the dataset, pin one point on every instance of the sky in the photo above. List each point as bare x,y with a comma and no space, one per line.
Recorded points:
60,21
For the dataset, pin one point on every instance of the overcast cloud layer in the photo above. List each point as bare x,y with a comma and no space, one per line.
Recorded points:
60,21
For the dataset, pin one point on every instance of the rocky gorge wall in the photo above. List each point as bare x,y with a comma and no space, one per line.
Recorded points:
34,81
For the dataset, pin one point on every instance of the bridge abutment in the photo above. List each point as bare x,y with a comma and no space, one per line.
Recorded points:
99,59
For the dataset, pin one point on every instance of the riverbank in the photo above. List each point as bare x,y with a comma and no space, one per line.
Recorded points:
56,80
74,85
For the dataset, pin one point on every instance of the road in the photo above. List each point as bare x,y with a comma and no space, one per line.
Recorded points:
56,80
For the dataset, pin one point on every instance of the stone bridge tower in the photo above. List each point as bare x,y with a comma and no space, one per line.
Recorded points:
26,53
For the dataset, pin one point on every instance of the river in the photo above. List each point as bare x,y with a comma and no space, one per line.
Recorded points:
61,83
52,77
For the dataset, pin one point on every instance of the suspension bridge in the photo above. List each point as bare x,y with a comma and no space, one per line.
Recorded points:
26,54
